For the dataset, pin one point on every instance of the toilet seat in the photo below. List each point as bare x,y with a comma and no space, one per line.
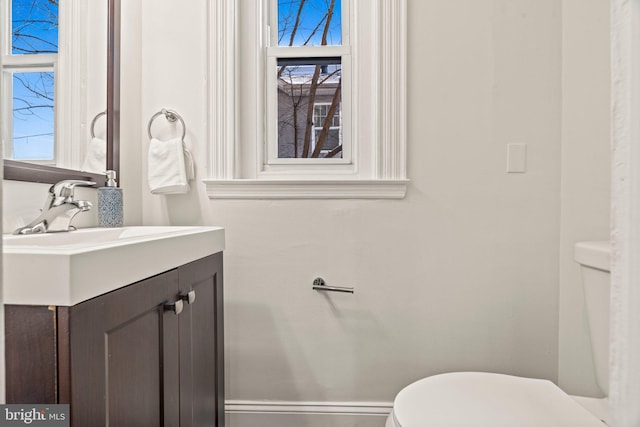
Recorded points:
474,399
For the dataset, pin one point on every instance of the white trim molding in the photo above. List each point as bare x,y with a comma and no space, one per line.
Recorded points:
222,89
70,100
306,189
624,383
381,409
393,102
236,164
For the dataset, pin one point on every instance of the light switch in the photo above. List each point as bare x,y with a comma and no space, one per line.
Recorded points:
517,158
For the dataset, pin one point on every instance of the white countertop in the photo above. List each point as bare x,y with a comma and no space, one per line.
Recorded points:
68,268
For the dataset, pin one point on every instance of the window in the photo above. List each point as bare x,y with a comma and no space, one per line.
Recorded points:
46,92
29,75
300,79
307,99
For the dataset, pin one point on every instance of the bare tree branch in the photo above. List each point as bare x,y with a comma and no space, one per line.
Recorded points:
314,31
297,23
40,92
333,152
314,86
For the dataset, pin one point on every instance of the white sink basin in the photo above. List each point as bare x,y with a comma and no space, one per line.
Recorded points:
68,268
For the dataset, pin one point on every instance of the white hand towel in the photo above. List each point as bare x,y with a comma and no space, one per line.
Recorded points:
188,162
96,158
168,170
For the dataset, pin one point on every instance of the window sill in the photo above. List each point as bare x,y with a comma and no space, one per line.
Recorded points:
306,189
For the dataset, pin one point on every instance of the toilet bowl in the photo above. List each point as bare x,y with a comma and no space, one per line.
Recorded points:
468,399
485,399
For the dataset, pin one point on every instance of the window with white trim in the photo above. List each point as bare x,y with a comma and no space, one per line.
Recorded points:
307,99
29,62
50,81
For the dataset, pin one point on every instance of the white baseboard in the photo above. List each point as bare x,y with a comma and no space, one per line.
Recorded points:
284,407
249,413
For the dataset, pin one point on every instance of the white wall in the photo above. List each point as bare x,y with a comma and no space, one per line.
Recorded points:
460,275
585,174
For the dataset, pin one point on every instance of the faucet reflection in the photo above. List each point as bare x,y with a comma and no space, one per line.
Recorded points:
58,210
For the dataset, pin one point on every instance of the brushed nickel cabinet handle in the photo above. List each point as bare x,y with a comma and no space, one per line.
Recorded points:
189,297
176,306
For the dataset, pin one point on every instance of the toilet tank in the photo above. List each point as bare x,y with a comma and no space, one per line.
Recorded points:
594,260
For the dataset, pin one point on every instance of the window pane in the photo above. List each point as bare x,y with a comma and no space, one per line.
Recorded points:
309,22
33,124
34,26
309,89
333,139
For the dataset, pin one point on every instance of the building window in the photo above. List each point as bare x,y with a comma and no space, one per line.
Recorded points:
29,63
316,91
327,132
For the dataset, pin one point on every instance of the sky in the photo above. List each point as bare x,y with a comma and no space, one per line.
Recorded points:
313,13
35,30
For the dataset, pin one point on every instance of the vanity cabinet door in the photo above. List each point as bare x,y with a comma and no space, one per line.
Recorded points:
201,344
124,357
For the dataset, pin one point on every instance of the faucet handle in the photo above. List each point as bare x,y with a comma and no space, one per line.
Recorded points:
65,188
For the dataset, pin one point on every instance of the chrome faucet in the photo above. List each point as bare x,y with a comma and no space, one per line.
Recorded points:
58,210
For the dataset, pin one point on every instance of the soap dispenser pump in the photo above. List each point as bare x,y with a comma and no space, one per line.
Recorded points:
110,206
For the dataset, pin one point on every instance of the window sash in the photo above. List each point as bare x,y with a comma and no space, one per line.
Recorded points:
315,54
8,120
272,162
11,63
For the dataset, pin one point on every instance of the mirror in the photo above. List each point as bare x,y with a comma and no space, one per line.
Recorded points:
109,126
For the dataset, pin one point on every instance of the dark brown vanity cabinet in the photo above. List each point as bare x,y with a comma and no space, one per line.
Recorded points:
148,354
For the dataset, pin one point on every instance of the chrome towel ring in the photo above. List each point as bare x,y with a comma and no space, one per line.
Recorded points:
171,116
93,123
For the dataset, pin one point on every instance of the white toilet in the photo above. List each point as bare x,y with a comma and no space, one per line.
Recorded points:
464,399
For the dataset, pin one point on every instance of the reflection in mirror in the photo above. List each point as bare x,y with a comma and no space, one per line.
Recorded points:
29,69
95,159
51,96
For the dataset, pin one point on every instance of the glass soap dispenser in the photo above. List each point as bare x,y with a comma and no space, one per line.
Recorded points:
110,212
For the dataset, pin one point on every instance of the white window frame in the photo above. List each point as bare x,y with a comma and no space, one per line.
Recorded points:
238,100
69,81
272,163
11,65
